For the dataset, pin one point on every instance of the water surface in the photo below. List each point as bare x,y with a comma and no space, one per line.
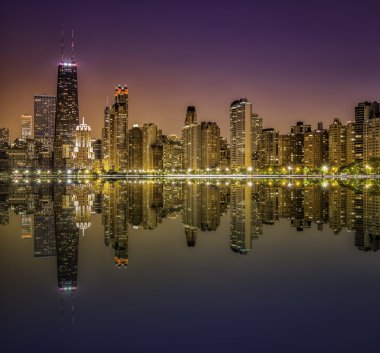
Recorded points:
183,266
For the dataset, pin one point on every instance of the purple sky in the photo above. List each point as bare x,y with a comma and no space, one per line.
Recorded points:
294,60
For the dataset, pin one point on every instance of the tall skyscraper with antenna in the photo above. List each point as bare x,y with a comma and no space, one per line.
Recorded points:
67,111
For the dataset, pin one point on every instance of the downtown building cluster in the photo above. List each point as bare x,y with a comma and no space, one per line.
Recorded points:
55,140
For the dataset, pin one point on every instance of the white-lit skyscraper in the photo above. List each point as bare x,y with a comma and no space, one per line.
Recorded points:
191,136
83,154
241,130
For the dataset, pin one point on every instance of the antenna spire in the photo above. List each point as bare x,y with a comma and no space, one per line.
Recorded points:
72,46
62,44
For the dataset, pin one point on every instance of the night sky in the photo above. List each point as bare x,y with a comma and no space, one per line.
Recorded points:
294,60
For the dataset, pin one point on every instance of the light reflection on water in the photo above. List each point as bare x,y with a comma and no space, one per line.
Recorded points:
168,225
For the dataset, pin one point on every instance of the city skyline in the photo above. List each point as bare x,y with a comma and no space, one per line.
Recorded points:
320,65
190,176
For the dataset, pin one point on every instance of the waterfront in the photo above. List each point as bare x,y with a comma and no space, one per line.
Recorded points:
184,265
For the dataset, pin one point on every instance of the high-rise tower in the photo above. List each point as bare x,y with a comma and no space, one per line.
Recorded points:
26,126
83,153
44,120
364,111
241,131
67,111
191,136
115,131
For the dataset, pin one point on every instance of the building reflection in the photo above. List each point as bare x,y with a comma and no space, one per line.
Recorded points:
245,217
66,236
83,201
54,215
44,223
202,207
369,237
115,220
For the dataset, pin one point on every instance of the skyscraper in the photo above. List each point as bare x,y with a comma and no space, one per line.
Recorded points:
116,131
44,120
149,139
316,147
224,153
371,145
363,112
241,130
298,131
105,139
210,142
4,138
136,147
191,136
350,142
284,149
337,144
257,129
83,154
172,155
26,126
268,148
67,111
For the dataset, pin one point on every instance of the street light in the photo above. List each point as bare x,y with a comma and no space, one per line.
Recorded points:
325,168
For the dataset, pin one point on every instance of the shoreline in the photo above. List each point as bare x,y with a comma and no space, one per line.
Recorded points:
43,176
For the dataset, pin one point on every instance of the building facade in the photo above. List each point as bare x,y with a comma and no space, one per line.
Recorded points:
26,126
364,111
268,148
210,142
116,132
136,148
44,120
337,144
371,139
149,140
67,113
241,133
191,137
83,155
172,153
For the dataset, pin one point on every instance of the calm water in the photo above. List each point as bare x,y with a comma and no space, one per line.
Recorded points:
178,266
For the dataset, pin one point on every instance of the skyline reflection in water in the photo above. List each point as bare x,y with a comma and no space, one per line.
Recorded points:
56,218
